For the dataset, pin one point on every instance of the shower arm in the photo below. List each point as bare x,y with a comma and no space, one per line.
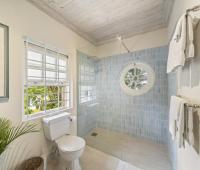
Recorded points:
124,45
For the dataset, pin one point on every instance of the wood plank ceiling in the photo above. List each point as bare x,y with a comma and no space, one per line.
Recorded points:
100,21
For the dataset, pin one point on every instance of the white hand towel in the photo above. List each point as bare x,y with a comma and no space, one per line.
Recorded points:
196,22
190,126
176,56
189,50
174,114
181,126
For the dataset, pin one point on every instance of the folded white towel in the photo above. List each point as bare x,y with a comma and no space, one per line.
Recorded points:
174,114
176,56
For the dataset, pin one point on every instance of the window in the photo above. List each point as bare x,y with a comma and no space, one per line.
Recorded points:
87,80
46,85
137,79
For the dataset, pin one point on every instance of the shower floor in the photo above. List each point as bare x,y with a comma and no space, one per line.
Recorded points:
142,153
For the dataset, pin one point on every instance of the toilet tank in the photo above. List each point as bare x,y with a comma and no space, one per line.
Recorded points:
56,126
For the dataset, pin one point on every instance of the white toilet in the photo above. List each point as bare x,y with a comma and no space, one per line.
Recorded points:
58,128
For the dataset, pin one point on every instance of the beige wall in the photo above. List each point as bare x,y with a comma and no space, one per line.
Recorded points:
24,19
187,159
142,41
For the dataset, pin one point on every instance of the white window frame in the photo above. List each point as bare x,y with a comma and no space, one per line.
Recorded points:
69,81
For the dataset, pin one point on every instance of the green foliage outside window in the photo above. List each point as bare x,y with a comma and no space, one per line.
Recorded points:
34,98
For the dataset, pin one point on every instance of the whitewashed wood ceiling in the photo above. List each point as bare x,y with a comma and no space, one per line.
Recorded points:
100,21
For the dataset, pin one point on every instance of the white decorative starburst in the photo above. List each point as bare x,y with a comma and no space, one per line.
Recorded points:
137,79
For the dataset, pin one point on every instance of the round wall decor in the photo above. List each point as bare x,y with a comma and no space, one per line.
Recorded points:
137,79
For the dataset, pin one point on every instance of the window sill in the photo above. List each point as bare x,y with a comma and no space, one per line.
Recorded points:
33,117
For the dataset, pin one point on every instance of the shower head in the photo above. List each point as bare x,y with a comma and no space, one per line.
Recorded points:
119,38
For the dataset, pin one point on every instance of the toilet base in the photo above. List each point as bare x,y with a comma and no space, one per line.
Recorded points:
72,165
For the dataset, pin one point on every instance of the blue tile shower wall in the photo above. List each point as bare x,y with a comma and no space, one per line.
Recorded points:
87,114
144,116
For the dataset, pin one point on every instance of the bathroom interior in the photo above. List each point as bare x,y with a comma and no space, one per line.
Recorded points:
100,85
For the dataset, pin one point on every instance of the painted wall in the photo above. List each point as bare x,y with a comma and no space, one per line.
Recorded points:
144,116
135,43
24,19
184,159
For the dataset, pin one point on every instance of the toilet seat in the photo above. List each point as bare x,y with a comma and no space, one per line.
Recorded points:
69,143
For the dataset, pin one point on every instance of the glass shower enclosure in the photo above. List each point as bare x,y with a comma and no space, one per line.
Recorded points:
131,128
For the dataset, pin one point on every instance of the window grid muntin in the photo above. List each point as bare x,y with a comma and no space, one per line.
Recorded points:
44,80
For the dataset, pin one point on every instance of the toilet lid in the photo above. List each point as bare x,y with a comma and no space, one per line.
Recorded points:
70,143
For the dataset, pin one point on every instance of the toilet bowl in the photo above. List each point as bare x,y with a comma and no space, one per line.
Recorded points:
70,149
57,129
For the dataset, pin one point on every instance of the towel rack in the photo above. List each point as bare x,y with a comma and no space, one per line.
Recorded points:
192,105
195,8
189,104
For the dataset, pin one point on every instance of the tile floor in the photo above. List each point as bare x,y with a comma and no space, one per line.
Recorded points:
116,151
94,159
144,154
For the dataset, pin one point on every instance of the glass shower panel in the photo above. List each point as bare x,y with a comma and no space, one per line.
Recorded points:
87,103
96,119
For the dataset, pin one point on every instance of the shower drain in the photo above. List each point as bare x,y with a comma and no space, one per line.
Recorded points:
94,134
